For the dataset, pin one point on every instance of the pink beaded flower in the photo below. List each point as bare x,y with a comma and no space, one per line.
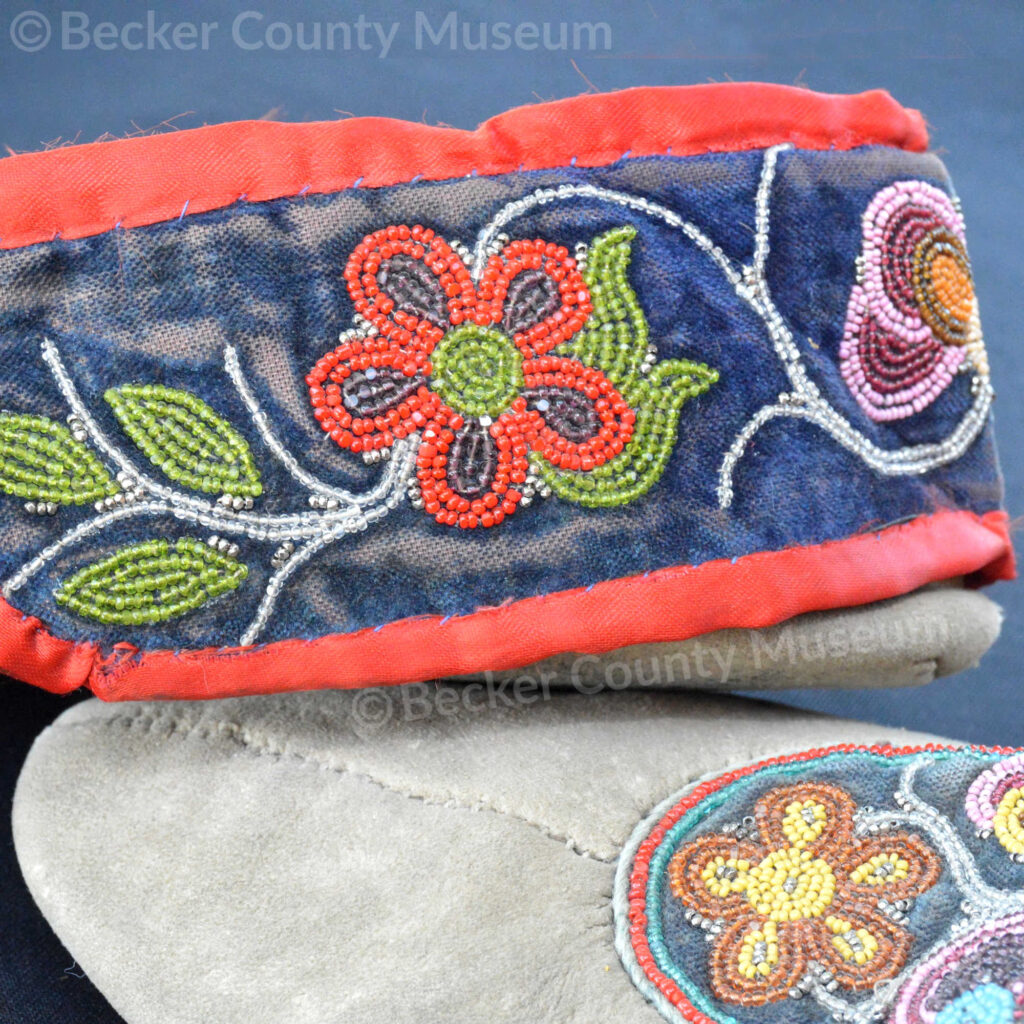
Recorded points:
995,803
912,320
977,978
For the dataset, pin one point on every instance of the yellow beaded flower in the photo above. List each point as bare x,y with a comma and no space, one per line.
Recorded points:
808,890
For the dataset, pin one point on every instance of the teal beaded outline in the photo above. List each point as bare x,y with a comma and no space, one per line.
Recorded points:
654,896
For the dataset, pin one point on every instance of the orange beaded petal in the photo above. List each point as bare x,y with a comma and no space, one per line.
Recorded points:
886,962
731,985
771,812
406,326
502,496
563,272
687,867
616,417
923,867
417,408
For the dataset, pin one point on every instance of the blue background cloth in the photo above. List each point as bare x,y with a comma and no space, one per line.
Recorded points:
960,64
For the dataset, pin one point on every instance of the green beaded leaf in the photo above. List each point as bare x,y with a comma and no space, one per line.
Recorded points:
40,460
657,400
615,339
153,581
186,439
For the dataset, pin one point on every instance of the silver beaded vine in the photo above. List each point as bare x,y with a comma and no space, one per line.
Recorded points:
803,400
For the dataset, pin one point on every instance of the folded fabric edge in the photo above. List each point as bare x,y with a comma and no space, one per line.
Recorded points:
78,191
748,592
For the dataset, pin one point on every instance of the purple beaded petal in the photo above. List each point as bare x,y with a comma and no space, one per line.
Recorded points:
896,220
472,460
991,954
893,375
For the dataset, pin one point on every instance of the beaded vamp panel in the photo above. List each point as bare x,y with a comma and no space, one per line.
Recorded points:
845,885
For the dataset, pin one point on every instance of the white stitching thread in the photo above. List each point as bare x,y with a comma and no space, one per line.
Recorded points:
285,457
398,473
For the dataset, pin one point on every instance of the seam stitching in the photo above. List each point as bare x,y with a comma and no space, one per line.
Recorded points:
244,739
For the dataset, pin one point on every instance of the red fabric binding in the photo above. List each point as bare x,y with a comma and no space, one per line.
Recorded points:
86,190
672,604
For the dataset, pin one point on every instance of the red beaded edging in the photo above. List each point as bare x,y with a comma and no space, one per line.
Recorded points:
641,863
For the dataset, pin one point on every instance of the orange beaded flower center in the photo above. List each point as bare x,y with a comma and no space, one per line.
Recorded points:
943,287
952,285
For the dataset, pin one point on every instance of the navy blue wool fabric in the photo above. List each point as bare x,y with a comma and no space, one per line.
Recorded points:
159,303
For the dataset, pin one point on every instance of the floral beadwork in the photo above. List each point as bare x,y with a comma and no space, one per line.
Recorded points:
838,879
484,378
912,321
807,891
976,979
539,378
485,374
995,803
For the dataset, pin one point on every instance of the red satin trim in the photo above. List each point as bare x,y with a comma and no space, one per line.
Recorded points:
750,592
86,190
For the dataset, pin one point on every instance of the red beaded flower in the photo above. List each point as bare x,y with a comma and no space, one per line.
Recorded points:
469,367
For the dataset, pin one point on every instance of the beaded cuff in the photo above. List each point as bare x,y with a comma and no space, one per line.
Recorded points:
296,406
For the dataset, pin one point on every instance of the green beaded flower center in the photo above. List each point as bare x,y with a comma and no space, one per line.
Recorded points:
478,371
